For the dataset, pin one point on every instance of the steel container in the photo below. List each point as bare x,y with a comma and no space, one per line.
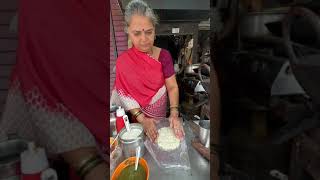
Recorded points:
204,133
129,146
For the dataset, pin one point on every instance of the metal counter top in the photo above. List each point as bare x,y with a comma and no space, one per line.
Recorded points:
200,167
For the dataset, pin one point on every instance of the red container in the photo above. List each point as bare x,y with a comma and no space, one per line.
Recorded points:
119,119
119,124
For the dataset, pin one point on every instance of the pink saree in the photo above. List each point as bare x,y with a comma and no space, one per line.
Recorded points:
140,83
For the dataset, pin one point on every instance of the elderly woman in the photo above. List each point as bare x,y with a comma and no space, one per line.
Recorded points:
145,74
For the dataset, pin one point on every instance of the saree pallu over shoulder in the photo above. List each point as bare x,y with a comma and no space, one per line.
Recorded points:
138,76
139,82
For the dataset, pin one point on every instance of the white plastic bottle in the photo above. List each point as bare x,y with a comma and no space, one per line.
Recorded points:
35,166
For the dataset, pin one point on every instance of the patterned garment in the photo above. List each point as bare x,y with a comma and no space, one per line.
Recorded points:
156,108
56,130
140,82
62,55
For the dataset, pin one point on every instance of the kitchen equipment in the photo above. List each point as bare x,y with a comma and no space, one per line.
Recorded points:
129,146
305,67
285,83
204,133
205,152
199,88
113,129
253,25
10,157
128,162
137,158
189,69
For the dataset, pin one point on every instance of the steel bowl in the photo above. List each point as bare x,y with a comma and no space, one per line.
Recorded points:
204,133
129,146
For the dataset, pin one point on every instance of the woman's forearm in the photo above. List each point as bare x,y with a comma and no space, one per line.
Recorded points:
138,112
173,98
173,92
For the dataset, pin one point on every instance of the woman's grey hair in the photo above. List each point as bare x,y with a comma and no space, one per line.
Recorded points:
139,7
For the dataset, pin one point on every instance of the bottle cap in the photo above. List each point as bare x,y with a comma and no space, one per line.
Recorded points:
33,160
120,112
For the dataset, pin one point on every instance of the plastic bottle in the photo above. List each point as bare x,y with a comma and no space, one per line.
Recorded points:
119,119
34,164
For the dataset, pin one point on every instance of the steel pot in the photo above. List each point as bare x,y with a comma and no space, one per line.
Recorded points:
204,133
129,146
253,25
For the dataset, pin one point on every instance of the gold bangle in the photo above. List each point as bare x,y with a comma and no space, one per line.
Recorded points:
88,161
176,107
137,114
134,114
85,160
90,166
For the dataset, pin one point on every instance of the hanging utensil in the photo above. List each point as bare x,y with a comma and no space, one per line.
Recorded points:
137,158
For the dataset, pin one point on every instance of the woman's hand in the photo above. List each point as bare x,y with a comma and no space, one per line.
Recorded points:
176,124
149,128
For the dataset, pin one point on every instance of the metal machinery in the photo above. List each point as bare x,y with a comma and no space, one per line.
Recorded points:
270,70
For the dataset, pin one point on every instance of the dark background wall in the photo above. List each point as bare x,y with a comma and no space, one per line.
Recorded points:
176,4
8,45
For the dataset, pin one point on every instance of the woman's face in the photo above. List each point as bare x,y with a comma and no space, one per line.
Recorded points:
141,32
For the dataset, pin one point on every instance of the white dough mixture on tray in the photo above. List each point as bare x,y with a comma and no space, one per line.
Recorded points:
167,139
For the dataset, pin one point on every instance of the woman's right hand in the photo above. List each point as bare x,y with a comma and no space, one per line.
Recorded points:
149,128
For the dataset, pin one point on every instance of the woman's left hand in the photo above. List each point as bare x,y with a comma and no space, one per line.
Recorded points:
176,124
